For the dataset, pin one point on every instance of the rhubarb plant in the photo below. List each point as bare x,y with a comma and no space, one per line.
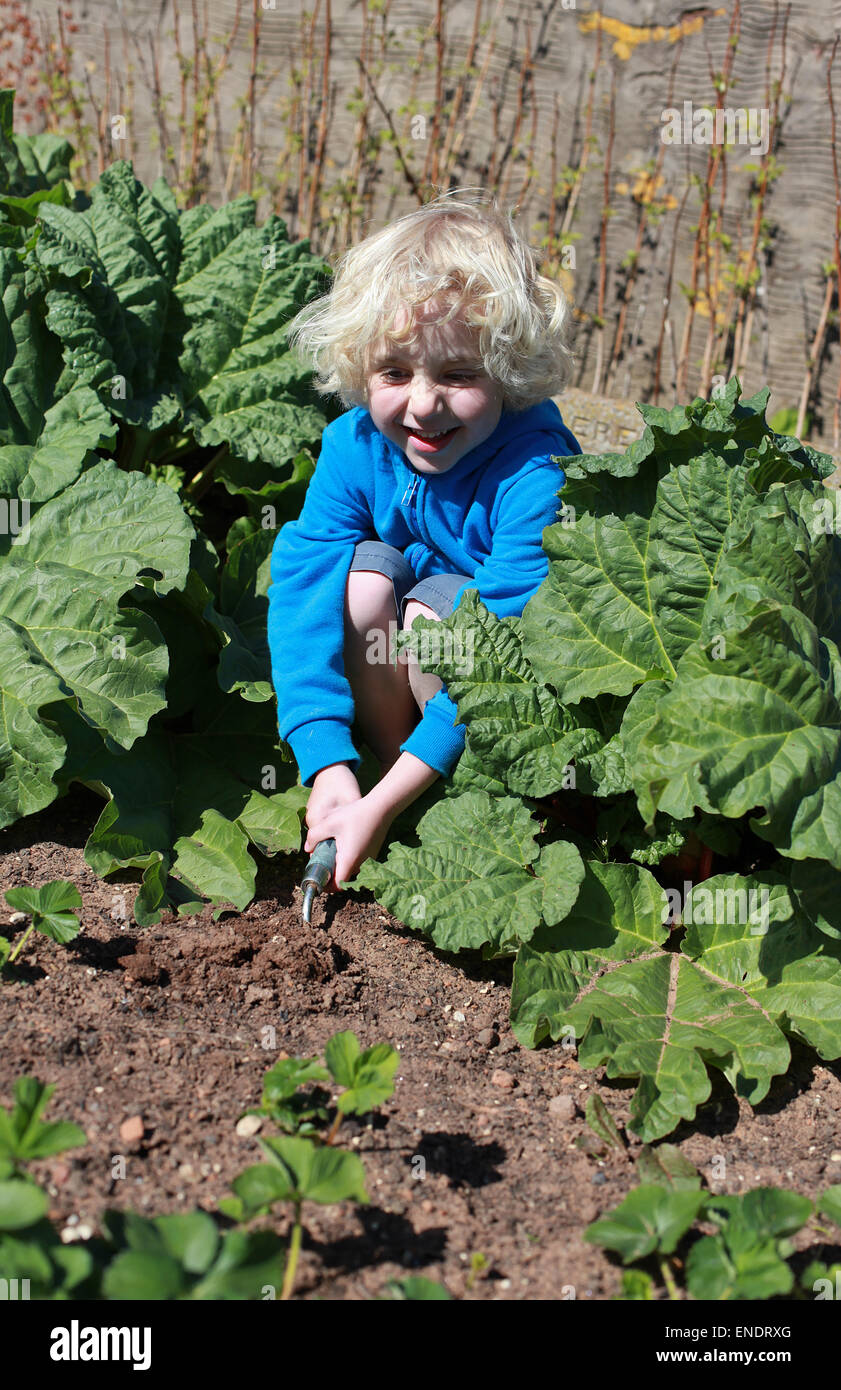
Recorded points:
647,814
155,431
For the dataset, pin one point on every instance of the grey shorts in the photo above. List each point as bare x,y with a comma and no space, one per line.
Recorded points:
437,591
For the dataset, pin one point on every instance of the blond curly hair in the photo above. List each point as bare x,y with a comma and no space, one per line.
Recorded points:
462,247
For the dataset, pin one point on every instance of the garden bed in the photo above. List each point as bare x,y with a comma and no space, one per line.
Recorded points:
168,1023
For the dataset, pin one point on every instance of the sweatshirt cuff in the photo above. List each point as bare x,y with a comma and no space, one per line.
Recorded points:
437,739
319,744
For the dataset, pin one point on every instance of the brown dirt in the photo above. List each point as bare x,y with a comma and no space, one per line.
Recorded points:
173,1024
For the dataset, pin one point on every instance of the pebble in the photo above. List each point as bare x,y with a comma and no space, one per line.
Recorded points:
835,1157
599,1179
562,1108
503,1080
458,1016
248,1126
187,1172
258,994
17,917
131,1130
509,1045
488,1038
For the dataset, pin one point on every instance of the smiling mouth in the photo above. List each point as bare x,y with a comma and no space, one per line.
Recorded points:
438,438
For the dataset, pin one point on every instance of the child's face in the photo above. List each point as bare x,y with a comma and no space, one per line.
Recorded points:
436,382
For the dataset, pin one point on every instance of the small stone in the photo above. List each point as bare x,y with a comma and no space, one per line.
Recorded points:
509,1045
835,1157
17,917
248,1126
562,1108
186,1172
458,1016
131,1130
503,1080
141,967
488,1038
599,1179
258,994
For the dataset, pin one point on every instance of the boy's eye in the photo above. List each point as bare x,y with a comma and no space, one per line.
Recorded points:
394,373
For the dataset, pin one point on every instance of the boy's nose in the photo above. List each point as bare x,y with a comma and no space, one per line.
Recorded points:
423,397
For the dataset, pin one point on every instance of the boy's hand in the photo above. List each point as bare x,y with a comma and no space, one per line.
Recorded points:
332,787
358,827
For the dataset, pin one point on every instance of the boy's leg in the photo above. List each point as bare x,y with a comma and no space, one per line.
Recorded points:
424,684
385,706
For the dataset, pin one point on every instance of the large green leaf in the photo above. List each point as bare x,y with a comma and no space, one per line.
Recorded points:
516,726
29,162
181,320
752,969
625,594
30,359
64,635
185,806
241,612
753,723
478,878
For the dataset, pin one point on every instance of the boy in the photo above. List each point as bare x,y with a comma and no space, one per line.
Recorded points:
445,343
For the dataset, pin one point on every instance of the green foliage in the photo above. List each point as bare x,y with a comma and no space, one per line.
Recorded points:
367,1076
650,1218
284,1101
303,1166
24,1136
669,696
415,1288
51,909
155,431
186,1256
745,1257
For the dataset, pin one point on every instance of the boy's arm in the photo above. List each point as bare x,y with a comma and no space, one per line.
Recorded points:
309,566
511,575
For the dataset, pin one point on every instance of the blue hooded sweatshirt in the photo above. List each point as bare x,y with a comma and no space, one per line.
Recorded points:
484,517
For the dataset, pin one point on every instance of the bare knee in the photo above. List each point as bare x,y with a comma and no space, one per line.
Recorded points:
414,609
369,600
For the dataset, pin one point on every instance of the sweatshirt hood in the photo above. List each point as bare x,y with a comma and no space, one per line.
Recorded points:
543,418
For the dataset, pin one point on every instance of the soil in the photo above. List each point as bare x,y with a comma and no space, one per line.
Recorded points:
177,1024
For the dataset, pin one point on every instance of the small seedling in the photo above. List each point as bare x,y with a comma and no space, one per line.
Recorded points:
746,1256
51,909
478,1265
303,1165
602,1123
414,1288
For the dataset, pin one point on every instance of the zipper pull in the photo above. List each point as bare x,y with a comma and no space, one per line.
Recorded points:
406,499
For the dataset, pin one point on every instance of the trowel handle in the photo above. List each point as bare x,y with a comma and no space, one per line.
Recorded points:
320,865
